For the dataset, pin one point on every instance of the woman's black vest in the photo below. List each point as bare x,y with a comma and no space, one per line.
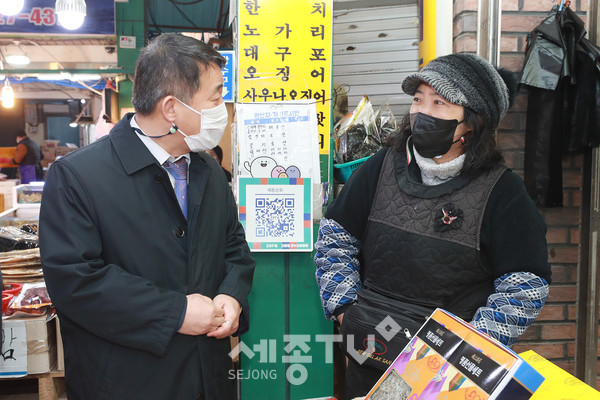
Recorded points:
422,243
34,155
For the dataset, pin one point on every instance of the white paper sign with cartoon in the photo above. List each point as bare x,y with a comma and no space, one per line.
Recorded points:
278,140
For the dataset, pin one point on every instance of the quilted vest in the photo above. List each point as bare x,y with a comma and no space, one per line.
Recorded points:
422,243
34,155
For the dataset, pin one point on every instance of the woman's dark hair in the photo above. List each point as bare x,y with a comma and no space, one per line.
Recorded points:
219,153
481,154
171,64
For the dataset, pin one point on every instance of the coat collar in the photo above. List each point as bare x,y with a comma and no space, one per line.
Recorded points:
134,156
552,27
132,153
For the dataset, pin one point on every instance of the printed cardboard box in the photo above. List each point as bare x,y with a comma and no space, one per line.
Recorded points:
28,346
51,143
49,154
559,384
7,188
60,353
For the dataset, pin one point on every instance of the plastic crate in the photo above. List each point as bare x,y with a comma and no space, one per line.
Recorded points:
342,172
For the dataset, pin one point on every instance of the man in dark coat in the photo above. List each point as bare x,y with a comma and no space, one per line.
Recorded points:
149,281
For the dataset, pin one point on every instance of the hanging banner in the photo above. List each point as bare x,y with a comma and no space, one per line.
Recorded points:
285,53
39,17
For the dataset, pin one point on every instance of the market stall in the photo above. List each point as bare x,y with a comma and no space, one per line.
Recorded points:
31,343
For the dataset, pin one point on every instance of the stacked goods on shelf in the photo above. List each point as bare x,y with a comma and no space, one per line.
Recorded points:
20,255
21,266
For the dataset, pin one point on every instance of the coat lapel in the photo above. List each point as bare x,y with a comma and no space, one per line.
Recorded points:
199,172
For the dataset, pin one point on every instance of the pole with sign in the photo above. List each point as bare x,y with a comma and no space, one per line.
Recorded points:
284,58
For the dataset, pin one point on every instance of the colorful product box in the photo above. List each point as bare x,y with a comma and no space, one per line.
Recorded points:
448,359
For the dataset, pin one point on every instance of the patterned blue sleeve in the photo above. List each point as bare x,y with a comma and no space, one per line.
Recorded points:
337,273
516,303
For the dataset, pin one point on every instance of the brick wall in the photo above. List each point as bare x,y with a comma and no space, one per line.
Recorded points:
553,334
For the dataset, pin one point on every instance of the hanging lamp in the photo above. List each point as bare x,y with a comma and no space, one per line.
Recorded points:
15,55
71,13
11,7
8,95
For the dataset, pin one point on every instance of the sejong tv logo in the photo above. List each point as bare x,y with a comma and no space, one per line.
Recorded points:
296,352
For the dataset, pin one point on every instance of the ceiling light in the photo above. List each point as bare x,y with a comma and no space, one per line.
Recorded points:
8,95
11,7
51,77
73,124
85,77
18,59
15,55
71,13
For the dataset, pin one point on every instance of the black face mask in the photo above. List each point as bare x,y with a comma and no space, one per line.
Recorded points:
432,136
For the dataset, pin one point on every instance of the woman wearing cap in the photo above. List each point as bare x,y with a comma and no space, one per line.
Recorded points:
434,221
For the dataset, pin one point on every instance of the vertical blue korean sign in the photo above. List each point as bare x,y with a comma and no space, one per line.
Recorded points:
228,77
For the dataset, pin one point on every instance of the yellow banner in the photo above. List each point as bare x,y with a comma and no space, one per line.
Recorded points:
284,52
427,31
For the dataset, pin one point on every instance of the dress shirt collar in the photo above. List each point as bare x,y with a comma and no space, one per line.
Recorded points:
157,151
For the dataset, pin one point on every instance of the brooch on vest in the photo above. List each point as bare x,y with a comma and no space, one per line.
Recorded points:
449,217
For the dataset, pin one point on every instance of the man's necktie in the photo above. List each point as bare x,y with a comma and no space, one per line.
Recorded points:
178,170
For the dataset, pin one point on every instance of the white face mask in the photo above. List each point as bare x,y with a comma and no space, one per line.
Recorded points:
213,122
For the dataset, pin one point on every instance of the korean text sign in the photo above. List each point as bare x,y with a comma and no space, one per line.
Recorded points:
284,53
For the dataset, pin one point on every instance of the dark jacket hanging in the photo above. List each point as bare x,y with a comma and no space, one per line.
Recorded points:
562,79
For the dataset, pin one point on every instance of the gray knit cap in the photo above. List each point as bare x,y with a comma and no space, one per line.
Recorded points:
466,80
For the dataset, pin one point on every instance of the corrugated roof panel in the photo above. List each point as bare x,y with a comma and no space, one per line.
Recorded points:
373,50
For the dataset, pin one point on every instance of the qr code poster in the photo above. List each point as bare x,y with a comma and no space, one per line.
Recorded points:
276,213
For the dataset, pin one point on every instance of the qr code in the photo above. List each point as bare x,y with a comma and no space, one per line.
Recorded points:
274,217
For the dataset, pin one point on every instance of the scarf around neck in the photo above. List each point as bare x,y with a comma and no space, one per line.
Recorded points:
433,173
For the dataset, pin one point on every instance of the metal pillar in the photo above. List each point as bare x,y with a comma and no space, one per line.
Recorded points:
488,30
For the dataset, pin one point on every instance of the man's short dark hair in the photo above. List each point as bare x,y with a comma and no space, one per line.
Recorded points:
171,64
21,133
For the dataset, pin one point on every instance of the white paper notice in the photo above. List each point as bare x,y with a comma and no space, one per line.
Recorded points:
278,140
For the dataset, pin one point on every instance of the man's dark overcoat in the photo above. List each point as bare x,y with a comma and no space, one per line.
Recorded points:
119,258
